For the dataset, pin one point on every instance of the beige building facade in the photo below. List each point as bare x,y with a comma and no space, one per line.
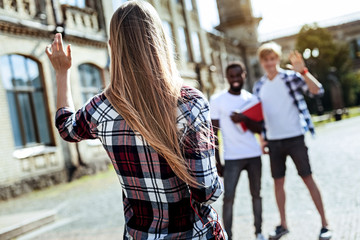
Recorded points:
239,26
32,154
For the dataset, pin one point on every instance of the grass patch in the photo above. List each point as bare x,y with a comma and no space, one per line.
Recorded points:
328,117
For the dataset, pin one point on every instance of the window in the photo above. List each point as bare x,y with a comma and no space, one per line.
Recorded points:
116,3
77,3
189,5
184,44
355,48
25,95
197,48
168,31
90,80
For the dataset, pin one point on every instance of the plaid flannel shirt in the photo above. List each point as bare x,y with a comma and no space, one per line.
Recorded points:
297,88
156,202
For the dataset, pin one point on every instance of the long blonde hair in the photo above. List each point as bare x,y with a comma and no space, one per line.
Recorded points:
145,84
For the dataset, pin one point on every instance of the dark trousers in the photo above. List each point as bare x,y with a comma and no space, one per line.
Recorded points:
232,172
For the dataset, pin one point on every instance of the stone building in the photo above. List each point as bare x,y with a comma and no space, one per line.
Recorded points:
33,156
239,28
192,53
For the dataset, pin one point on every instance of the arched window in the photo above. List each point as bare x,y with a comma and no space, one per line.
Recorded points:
25,95
90,80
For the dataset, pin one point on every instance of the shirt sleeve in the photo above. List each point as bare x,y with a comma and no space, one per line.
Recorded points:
214,109
304,87
199,150
256,89
74,127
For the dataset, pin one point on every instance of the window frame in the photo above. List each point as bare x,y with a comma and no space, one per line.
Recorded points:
355,48
189,5
75,4
91,90
197,47
169,29
29,91
188,57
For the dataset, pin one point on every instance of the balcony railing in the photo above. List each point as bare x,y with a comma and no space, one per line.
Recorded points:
25,10
82,22
85,22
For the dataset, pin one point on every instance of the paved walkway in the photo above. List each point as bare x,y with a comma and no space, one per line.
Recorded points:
91,208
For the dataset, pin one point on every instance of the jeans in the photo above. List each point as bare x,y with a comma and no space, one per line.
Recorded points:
232,172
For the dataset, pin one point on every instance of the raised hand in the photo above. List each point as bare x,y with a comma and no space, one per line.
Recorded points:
60,60
297,61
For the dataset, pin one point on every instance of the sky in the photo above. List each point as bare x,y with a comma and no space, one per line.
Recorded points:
281,16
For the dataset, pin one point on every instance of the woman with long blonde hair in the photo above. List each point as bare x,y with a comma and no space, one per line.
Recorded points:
156,132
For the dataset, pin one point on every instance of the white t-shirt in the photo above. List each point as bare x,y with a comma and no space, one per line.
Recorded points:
281,116
238,144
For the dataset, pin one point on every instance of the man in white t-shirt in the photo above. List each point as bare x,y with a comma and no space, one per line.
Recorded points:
286,118
241,149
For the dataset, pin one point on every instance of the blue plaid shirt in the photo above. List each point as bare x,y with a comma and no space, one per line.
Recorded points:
297,88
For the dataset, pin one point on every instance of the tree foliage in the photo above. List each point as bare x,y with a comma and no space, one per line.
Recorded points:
333,55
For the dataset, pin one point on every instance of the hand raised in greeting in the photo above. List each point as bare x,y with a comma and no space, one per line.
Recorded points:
60,60
297,62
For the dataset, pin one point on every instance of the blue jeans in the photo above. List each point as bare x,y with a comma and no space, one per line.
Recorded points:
232,172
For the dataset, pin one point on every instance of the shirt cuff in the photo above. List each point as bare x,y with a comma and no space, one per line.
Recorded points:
63,110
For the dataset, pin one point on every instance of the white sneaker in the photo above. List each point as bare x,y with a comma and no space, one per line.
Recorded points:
259,236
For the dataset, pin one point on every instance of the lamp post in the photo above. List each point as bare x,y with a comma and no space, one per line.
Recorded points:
314,53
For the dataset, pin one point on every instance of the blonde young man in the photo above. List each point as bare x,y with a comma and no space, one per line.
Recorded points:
286,120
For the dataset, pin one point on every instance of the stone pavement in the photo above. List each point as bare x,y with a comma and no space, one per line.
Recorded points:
14,225
91,208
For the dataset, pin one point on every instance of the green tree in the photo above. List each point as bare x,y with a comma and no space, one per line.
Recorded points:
332,56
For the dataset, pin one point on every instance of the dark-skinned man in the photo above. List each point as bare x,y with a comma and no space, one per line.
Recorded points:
241,149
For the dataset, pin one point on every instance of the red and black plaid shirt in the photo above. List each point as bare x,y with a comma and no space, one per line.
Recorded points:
156,202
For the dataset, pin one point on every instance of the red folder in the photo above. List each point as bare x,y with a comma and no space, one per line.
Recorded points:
253,110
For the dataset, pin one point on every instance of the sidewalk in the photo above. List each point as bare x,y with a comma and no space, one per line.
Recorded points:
14,225
91,208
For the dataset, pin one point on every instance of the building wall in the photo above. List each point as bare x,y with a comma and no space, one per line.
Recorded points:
22,32
178,14
223,51
240,26
28,47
